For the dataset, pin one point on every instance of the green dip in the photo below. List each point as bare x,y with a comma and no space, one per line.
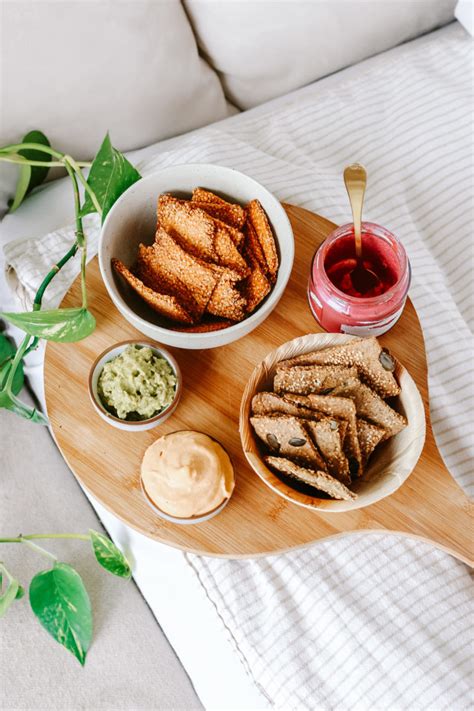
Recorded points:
136,384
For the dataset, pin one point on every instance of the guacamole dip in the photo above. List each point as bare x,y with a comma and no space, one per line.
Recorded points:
136,384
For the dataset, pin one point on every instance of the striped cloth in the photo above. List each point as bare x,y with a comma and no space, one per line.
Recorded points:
371,622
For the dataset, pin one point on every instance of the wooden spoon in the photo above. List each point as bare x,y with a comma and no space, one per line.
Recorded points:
355,179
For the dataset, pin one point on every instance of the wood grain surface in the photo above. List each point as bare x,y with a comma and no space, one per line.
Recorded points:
429,505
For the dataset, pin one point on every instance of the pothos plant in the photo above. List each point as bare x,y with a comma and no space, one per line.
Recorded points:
109,176
57,595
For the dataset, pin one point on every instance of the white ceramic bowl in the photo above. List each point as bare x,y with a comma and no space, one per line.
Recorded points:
133,220
139,425
391,463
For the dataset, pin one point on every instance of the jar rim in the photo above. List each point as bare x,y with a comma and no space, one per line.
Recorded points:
378,231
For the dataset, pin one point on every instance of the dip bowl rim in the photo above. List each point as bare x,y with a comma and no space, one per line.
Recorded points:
100,408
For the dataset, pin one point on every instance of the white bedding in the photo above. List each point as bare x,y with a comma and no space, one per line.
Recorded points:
366,622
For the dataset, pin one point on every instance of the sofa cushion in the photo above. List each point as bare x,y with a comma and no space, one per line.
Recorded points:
77,69
265,49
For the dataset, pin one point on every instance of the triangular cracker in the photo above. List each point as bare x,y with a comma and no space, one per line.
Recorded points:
339,408
259,221
322,379
319,480
164,304
374,364
235,214
287,436
369,436
370,406
327,438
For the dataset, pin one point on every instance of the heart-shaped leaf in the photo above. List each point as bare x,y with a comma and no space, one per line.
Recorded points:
109,556
63,325
31,175
110,175
61,603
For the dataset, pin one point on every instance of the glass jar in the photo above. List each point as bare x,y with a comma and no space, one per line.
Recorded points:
361,315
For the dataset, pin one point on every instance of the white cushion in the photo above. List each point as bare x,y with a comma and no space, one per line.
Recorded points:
77,69
263,49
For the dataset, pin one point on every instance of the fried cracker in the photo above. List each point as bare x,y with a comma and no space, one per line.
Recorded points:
234,213
226,300
319,480
227,253
223,213
169,258
194,229
259,221
164,304
253,248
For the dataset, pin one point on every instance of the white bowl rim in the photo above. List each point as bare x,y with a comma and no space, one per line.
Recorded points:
209,335
157,349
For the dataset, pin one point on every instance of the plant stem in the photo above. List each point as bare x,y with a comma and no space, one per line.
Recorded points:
19,160
84,182
25,346
37,548
51,274
14,147
79,231
33,536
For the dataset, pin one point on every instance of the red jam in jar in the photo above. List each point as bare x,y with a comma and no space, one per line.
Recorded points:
336,304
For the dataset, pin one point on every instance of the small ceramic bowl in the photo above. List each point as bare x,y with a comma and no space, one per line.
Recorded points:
131,425
189,520
390,465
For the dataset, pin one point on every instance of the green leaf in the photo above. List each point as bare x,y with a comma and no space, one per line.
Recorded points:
18,378
38,172
7,353
61,603
31,175
20,592
9,596
109,556
21,191
110,175
63,325
7,349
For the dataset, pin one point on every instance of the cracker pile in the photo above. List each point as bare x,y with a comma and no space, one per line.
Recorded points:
327,414
211,265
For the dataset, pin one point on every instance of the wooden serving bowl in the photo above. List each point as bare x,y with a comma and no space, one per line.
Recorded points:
391,463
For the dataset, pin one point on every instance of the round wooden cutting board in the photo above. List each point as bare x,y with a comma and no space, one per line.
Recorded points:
430,505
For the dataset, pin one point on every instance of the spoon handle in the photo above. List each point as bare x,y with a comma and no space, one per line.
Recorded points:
355,179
